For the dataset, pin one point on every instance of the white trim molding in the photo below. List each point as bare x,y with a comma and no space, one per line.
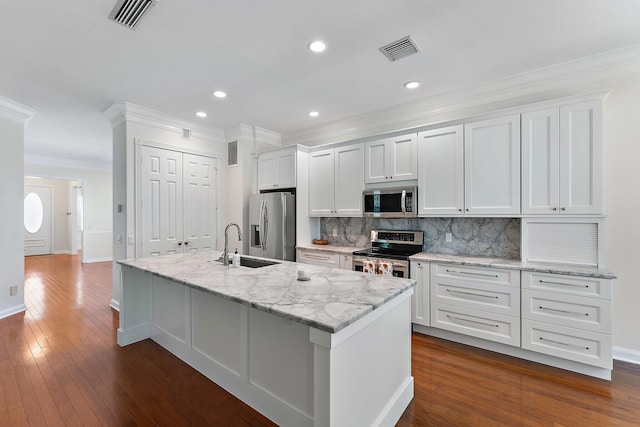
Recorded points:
13,310
13,111
626,355
590,74
122,111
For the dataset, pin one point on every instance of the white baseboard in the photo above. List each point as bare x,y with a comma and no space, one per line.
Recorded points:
626,355
62,252
13,310
115,305
90,260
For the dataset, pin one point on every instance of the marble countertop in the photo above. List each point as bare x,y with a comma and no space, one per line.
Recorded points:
330,301
348,250
514,265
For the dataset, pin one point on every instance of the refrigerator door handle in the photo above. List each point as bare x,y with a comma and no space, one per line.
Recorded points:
260,224
265,226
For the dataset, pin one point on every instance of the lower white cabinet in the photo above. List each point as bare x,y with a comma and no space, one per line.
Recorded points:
567,316
421,299
325,258
477,301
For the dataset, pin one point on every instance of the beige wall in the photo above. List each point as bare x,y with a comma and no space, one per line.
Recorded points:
622,207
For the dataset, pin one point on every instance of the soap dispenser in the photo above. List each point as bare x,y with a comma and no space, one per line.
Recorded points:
236,259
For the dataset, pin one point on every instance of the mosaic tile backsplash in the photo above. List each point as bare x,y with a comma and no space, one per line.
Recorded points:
494,237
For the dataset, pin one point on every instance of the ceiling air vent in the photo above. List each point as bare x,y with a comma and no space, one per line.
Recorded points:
399,49
129,12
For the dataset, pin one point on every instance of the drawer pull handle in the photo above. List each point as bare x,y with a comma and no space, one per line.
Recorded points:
473,321
563,284
563,311
319,257
453,291
564,344
471,274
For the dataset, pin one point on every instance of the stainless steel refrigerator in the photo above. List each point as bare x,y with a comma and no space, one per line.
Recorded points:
272,222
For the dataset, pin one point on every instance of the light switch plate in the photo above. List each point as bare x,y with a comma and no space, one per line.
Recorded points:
447,237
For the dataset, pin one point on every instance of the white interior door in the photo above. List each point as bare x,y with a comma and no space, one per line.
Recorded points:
160,201
37,220
200,202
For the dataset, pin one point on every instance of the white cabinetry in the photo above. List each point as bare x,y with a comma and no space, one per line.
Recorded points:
492,166
562,160
421,300
477,301
336,181
568,317
391,159
325,258
277,169
441,171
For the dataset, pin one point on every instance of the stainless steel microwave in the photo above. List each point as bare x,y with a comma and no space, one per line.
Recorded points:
390,202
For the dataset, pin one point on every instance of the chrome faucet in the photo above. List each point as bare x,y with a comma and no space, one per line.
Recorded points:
225,254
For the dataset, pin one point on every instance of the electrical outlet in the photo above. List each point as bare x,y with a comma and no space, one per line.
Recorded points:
447,237
119,239
334,232
13,290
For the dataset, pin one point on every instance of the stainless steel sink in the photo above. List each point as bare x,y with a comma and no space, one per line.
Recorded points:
255,263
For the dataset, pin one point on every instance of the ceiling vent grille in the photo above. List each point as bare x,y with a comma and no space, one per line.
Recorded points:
400,49
129,12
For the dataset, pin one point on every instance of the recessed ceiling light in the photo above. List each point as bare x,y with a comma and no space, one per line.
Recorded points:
313,114
219,94
201,114
317,46
411,85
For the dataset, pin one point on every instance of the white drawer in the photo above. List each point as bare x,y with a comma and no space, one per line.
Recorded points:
496,276
582,346
490,326
575,285
479,296
593,314
325,259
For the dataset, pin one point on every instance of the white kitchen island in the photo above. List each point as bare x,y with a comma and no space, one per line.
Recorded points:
331,351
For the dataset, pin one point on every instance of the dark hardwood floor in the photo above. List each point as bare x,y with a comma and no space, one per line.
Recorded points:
60,365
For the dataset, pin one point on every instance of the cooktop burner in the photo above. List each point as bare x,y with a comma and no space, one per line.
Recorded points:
393,244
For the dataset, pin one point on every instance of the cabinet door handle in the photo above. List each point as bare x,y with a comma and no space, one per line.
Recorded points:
493,325
563,209
180,243
471,274
555,209
564,344
563,284
459,210
453,291
318,257
575,313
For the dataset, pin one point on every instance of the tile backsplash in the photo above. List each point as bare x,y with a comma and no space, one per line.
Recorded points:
494,237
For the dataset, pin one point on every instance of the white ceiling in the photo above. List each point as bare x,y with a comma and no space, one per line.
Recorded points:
68,62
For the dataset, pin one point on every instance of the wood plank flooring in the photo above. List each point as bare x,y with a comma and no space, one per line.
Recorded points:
60,365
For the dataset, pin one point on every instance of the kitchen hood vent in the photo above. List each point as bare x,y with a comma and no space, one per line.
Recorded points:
400,49
129,12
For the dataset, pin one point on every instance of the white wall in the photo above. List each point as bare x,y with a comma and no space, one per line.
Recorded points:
622,207
97,191
11,206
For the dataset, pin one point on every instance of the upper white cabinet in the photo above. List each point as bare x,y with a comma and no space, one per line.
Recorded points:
492,166
441,171
336,181
277,169
391,159
562,160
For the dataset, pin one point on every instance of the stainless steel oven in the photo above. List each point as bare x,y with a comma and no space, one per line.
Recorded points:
393,247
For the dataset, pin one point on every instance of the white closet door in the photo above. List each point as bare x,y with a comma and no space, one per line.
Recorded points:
200,197
160,201
37,220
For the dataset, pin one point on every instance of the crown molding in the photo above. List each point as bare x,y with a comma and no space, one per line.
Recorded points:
594,73
60,162
120,112
13,111
265,136
239,131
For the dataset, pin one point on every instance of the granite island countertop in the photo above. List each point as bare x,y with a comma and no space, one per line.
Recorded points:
330,301
479,261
